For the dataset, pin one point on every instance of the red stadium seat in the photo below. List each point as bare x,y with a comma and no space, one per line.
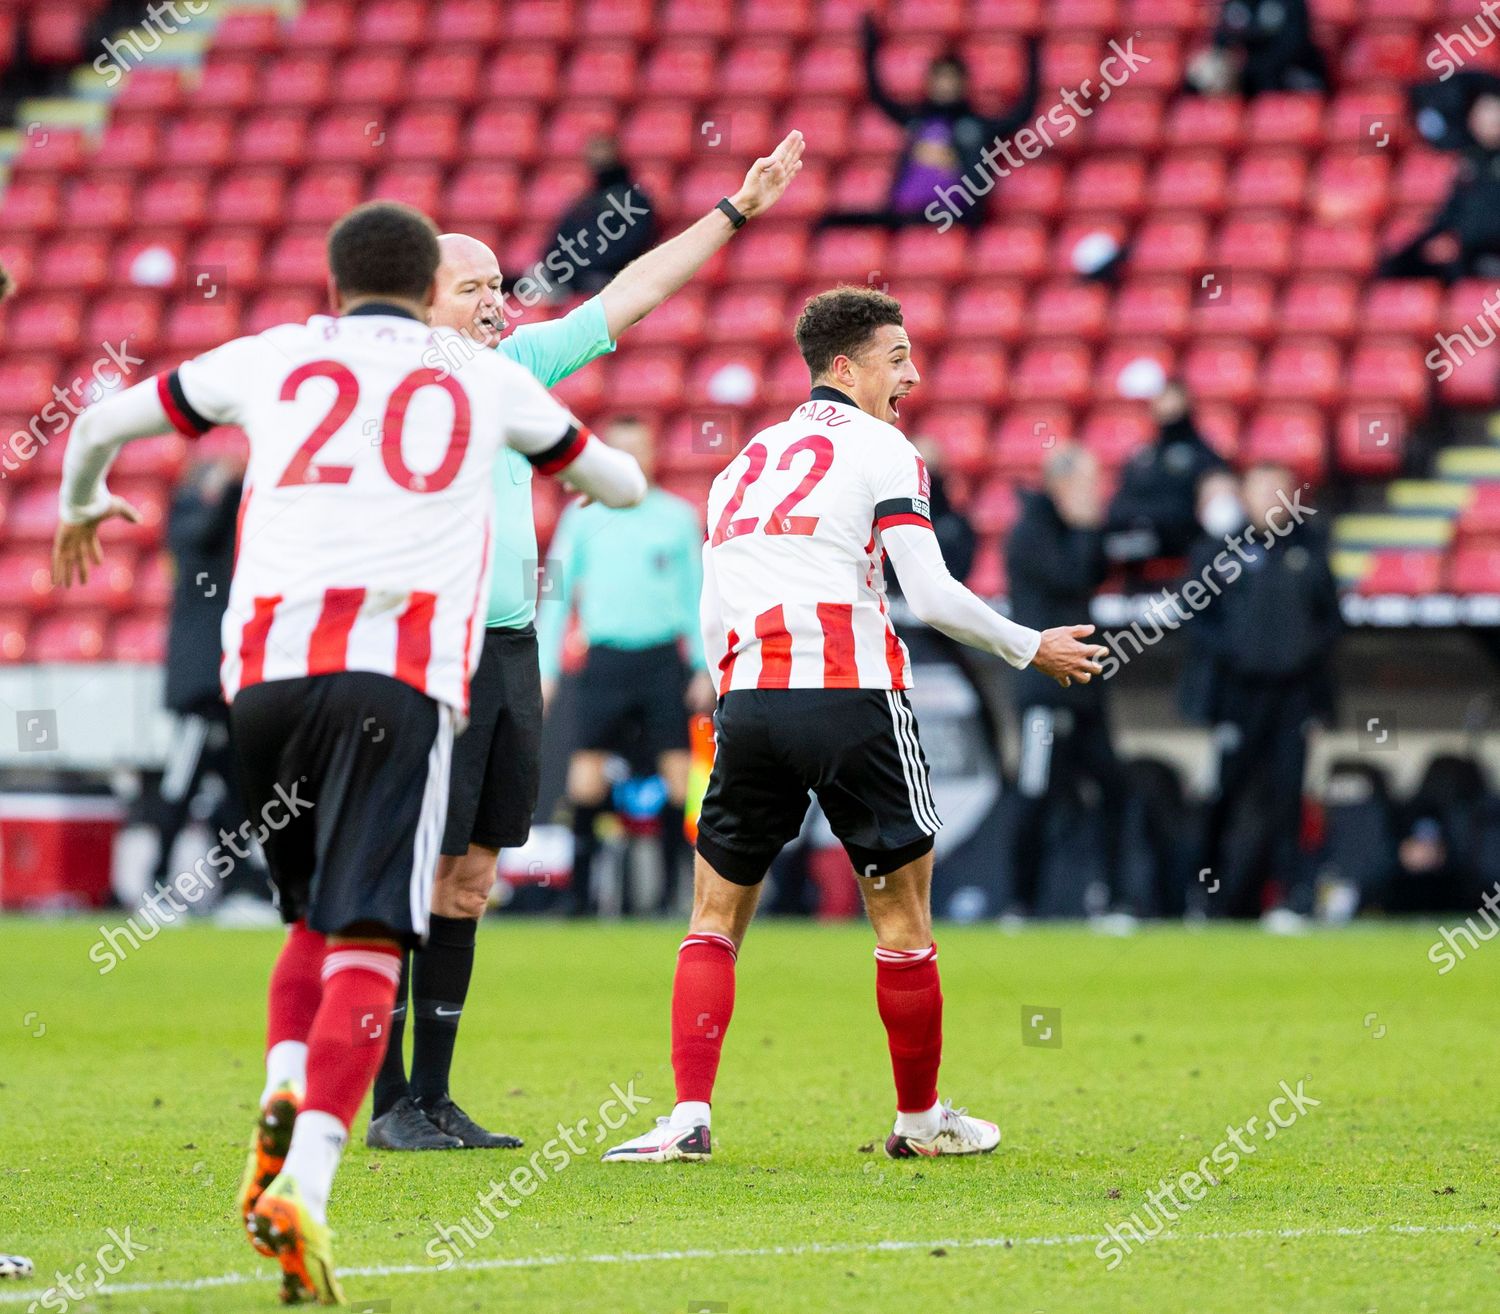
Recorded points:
503,132
392,22
1411,571
1170,243
1370,439
195,326
1255,242
963,434
849,255
972,374
26,579
831,68
119,316
299,257
523,74
1064,308
173,200
95,202
1116,431
279,139
1303,369
1018,248
1475,570
71,636
1116,183
302,81
1274,179
254,32
45,323
755,314
618,18
450,74
469,22
15,632
1216,121
1052,371
285,307
1038,189
30,205
322,195
923,252
1026,435
989,309
779,254
1326,304
1294,436
1190,180
1247,307
1390,368
1350,184
995,507
1481,517
140,638
1157,307
757,68
74,264
1120,355
26,381
1342,248
1285,119
1222,371
605,70
323,26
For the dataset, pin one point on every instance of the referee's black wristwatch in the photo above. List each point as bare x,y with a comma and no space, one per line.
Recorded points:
730,213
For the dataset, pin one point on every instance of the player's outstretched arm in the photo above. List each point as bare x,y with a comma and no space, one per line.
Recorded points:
648,281
941,601
84,502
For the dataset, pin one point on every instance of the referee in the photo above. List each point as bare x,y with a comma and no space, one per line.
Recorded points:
634,577
497,760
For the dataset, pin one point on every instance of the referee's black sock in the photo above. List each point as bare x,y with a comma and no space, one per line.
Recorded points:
390,1081
439,985
673,850
585,848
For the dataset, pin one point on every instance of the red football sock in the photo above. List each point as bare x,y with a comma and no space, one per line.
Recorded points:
349,1035
910,999
296,986
702,1004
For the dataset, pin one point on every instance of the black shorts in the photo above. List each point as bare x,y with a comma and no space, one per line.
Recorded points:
632,702
856,749
367,756
497,761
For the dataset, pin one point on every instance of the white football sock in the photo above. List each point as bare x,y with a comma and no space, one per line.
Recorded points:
318,1142
920,1126
690,1113
286,1063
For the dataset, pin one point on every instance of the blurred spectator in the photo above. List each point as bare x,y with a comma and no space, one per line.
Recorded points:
1056,561
1463,239
1260,673
604,229
7,284
955,536
1441,108
1154,511
1438,828
1260,45
200,537
945,135
634,578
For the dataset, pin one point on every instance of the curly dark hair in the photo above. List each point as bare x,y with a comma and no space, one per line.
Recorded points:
383,249
840,322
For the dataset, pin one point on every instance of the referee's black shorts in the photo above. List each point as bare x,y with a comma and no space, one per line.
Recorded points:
345,778
632,701
856,749
497,761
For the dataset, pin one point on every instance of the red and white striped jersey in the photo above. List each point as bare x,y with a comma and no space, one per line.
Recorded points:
364,528
794,594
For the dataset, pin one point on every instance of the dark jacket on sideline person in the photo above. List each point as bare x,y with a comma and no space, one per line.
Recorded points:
1275,620
1156,503
1055,570
200,537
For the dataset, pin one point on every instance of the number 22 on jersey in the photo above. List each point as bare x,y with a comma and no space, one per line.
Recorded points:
781,520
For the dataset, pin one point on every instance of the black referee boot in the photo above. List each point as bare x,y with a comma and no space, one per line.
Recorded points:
405,1127
452,1121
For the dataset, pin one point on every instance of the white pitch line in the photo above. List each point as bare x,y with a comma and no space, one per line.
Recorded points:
767,1252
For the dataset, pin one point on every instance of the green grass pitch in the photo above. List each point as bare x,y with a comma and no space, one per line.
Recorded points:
126,1100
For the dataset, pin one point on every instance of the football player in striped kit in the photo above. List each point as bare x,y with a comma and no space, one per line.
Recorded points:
352,631
812,682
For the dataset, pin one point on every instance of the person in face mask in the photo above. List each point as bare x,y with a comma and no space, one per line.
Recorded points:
610,224
1154,511
1260,673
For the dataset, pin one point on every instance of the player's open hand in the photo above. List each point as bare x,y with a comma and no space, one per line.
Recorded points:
76,547
770,176
1064,656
